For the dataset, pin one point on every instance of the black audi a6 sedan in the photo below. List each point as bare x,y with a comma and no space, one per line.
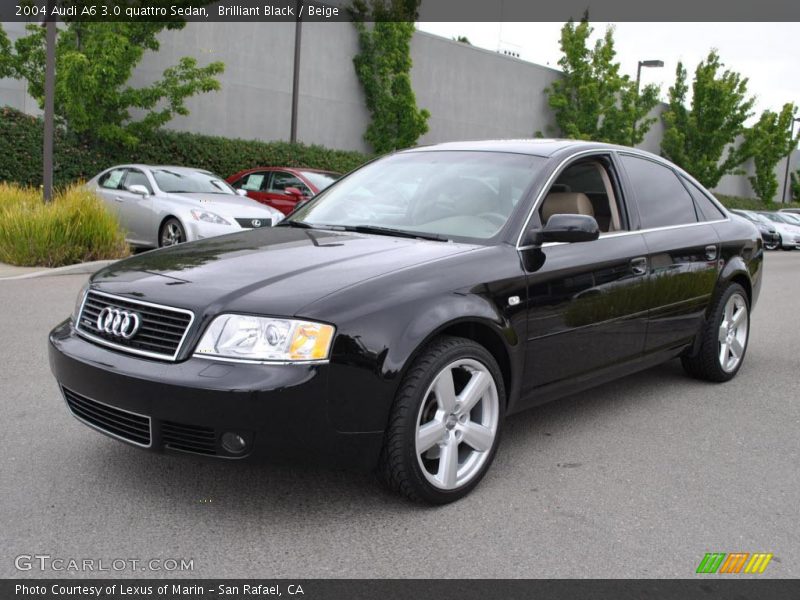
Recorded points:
394,321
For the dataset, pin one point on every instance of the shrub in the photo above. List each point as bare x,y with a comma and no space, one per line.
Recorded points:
751,203
75,227
80,159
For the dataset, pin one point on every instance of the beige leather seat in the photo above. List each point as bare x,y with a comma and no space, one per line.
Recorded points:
566,203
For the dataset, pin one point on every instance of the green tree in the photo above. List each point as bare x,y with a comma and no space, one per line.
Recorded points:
768,142
593,101
94,61
463,39
383,67
696,137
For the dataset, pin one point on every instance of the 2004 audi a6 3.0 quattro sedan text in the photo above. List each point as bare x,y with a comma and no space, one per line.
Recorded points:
395,320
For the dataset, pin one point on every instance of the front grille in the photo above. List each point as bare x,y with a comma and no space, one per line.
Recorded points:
114,421
251,223
160,334
189,438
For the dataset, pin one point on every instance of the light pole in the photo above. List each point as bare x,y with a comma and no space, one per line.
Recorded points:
298,32
49,101
788,161
645,63
642,63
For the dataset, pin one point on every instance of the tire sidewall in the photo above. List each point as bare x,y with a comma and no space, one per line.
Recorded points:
429,493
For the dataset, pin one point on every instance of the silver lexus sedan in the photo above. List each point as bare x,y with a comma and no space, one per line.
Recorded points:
163,206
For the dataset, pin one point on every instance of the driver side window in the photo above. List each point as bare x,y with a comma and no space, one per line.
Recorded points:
586,187
281,180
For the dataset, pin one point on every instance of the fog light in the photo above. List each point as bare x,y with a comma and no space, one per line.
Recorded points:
233,442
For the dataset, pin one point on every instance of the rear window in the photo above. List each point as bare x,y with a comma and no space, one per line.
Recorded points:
662,199
706,209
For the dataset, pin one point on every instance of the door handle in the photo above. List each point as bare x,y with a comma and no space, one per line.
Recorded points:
711,252
118,198
639,265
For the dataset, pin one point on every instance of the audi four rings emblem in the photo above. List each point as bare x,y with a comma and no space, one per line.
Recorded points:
119,323
256,223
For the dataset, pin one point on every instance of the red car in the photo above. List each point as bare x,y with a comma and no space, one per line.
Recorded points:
282,187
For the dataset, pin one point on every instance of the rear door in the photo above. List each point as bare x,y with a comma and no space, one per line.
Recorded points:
683,251
108,186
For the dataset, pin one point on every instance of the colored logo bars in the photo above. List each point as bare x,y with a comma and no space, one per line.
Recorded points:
736,562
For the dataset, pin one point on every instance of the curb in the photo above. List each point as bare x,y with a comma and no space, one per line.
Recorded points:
86,268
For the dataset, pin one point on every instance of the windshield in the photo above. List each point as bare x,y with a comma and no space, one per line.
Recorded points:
776,218
320,180
749,216
449,194
185,181
791,218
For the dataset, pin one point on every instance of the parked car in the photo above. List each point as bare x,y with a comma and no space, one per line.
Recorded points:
395,320
282,187
163,205
789,232
770,236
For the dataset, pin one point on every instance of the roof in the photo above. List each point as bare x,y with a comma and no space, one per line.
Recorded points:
536,147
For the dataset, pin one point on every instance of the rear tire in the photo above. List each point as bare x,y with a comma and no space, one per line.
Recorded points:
772,245
445,423
723,338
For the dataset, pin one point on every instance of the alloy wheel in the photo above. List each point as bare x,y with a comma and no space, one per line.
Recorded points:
457,424
171,234
733,332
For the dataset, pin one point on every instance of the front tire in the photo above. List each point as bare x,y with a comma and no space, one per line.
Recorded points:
724,338
171,233
774,245
445,423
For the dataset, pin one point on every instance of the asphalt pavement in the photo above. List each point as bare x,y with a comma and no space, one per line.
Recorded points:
637,478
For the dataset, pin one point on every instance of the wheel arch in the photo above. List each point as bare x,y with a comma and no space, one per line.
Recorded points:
482,331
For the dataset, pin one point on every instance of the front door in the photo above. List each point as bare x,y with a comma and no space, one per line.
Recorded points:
587,301
137,210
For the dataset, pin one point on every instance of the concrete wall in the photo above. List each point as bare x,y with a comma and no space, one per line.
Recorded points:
14,92
471,93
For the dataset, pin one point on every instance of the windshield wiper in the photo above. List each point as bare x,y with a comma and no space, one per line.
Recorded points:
298,224
395,232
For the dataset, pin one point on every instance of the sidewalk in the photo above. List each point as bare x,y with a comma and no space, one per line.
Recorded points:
9,272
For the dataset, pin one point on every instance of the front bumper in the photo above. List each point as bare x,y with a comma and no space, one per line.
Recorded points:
281,411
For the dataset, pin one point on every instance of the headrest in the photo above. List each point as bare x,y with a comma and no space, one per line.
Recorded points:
568,203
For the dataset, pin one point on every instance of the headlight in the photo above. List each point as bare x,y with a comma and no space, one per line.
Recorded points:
79,302
208,217
246,337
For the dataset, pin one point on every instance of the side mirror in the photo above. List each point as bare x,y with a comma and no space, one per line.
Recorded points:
293,191
241,192
568,229
139,190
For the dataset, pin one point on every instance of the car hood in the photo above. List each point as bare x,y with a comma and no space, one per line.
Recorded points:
785,228
270,271
230,205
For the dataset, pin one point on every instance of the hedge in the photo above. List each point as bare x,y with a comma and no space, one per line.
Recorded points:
752,203
78,159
